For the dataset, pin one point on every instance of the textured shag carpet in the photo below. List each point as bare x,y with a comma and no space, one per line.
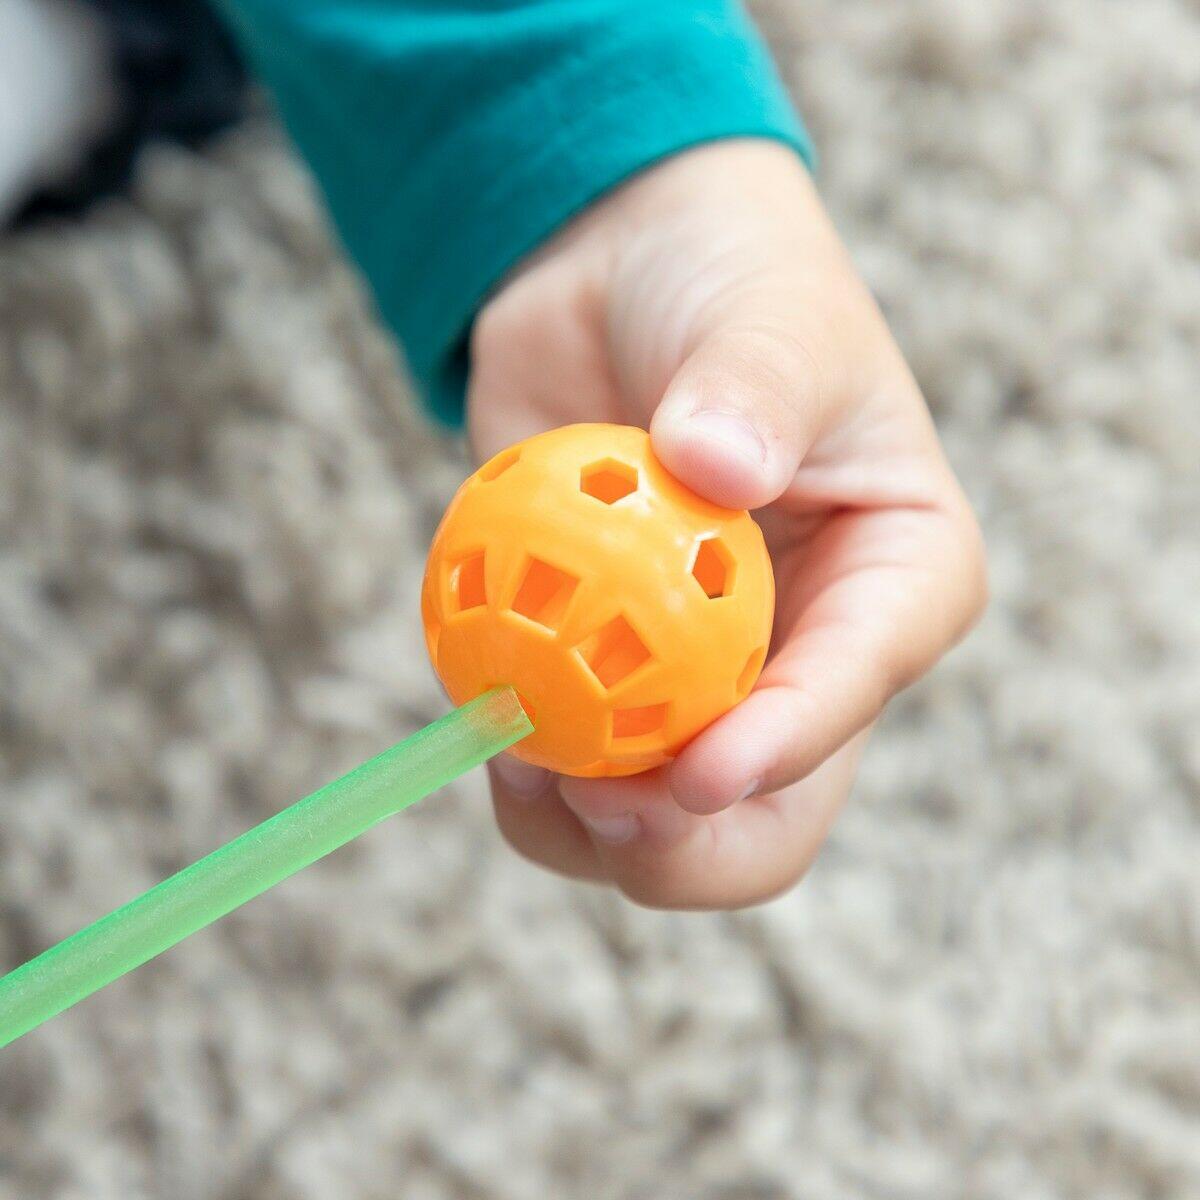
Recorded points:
214,504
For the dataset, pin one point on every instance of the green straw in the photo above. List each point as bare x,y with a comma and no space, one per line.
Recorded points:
259,859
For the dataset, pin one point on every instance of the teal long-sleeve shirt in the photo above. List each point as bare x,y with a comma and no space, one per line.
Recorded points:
450,139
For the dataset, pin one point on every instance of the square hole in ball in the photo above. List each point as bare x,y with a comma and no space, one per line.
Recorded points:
613,652
544,593
637,722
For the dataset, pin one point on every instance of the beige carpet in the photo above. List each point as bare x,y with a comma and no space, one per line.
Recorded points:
214,502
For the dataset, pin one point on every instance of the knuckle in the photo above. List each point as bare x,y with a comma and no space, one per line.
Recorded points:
877,667
788,364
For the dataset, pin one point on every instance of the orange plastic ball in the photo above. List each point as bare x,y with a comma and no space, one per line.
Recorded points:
627,612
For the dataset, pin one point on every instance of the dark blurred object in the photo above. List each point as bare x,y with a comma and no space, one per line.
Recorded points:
180,78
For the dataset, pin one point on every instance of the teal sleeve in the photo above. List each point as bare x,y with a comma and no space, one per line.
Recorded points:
452,138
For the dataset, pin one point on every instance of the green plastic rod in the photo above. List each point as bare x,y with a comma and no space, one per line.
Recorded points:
259,859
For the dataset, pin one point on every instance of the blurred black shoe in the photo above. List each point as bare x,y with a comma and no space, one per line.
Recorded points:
179,78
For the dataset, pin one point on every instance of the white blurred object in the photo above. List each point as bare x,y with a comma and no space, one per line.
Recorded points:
57,92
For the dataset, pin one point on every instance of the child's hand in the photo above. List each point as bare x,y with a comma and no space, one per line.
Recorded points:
711,300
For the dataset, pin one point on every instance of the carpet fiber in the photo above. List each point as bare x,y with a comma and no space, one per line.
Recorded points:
214,503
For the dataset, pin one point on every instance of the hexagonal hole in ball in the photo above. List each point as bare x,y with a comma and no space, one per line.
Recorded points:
713,568
608,480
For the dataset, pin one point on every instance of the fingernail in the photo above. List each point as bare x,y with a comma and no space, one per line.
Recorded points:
522,779
730,429
622,828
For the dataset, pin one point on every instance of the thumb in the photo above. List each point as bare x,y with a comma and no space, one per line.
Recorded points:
740,413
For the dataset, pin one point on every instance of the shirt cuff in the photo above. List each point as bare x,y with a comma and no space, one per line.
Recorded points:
499,186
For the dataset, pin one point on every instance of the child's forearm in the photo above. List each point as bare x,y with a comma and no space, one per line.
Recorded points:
451,141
